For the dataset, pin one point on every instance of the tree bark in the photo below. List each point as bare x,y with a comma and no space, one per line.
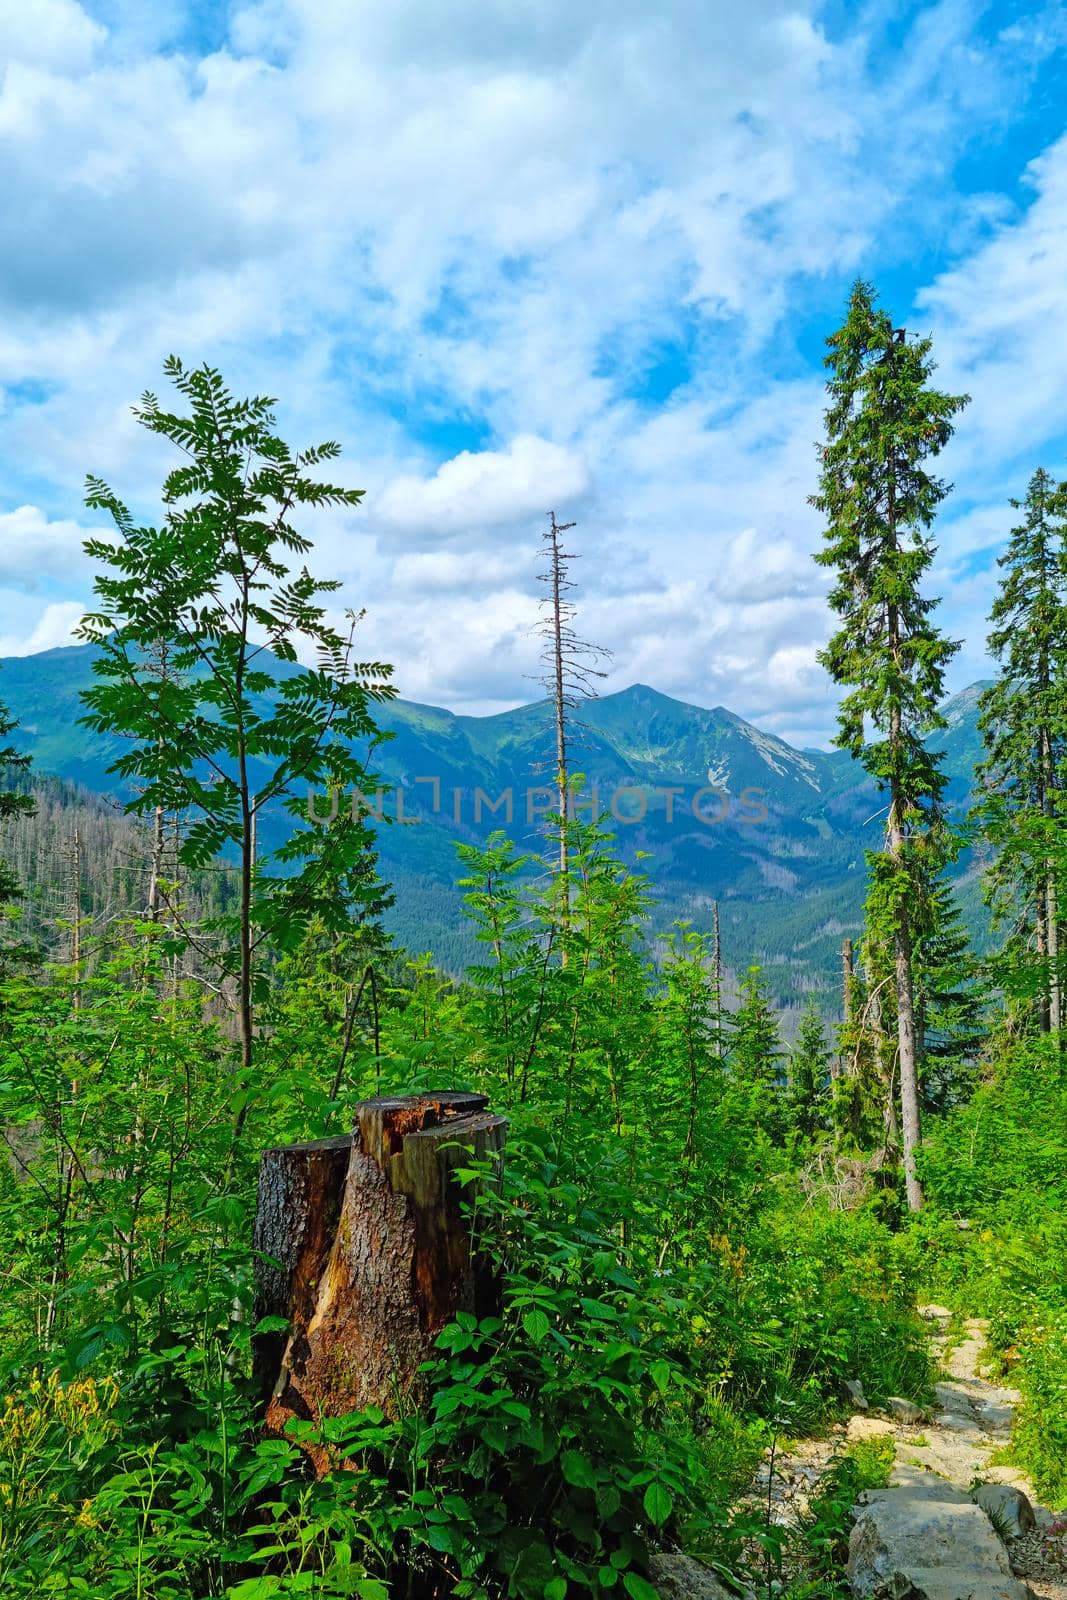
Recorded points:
907,1056
1052,910
910,1126
848,979
1044,1015
374,1257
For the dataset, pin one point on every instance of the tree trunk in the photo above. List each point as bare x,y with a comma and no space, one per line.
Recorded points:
848,978
1055,1010
1044,1016
717,968
373,1256
909,1074
1052,909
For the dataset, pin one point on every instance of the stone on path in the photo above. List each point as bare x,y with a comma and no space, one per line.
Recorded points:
928,1541
678,1577
1007,1508
904,1410
869,1427
927,1537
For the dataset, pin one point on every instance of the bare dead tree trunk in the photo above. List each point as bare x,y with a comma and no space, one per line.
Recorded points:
559,689
569,670
848,979
374,1256
1048,806
76,910
1044,1016
717,960
158,666
156,875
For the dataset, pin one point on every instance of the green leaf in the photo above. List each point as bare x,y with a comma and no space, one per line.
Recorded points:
659,1503
556,1589
271,1325
661,1375
638,1588
577,1469
536,1324
608,1501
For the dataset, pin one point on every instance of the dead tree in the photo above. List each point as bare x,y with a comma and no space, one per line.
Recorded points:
848,985
569,669
362,1245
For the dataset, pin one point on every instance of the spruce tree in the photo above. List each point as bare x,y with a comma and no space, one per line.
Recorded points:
883,423
756,1055
949,1010
809,1074
1024,724
14,802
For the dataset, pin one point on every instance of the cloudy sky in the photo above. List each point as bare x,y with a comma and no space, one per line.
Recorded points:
530,254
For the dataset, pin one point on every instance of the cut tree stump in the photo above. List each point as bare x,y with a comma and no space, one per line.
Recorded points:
373,1256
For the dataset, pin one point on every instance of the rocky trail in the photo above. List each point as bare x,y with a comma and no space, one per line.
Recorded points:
954,1523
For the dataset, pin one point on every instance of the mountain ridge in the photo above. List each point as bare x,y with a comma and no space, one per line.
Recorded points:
727,811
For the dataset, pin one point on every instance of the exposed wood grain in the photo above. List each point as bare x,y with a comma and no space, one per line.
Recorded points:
374,1255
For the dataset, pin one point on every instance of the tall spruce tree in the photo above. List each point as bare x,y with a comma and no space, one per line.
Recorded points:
949,1006
1023,719
14,802
756,1056
809,1074
883,423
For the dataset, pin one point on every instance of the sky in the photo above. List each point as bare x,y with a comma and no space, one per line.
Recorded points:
528,255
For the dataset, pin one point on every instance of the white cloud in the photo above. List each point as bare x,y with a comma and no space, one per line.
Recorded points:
484,489
1000,321
51,627
54,33
401,216
34,549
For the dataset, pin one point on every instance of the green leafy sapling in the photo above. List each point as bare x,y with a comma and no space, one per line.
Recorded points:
239,732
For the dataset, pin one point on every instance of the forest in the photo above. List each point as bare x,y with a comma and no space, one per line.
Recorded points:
702,1241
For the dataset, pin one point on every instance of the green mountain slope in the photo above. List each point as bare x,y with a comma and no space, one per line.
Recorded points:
723,811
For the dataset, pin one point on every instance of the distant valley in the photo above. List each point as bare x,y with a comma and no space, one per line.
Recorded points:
724,811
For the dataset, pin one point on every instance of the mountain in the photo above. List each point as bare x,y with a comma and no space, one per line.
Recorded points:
723,811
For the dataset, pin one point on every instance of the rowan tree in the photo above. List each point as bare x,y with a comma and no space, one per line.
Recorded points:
237,733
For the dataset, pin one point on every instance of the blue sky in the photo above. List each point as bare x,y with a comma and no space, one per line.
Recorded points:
519,256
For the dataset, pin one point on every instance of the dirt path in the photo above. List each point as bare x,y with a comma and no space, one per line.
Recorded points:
956,1442
961,1439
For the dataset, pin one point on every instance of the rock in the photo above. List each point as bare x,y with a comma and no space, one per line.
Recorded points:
954,1399
930,1542
903,1410
868,1427
856,1394
995,1416
676,1576
1007,1508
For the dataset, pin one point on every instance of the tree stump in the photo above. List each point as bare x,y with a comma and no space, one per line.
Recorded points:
373,1256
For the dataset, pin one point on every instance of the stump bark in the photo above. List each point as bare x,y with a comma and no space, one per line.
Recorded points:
368,1256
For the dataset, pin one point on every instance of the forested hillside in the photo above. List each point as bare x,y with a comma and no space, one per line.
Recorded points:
664,1237
777,838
